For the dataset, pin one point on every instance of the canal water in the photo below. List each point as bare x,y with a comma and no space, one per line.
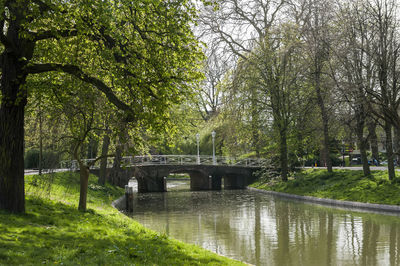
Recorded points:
267,230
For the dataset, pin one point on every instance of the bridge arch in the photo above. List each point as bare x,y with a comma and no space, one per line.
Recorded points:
151,172
152,178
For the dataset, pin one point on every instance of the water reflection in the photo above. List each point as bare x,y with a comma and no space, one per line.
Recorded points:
266,230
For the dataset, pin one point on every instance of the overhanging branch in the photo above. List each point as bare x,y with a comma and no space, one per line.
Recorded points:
44,35
78,73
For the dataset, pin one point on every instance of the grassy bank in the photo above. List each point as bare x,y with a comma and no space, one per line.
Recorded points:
53,232
340,185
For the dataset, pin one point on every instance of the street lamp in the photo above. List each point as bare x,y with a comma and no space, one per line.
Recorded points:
213,141
343,164
198,148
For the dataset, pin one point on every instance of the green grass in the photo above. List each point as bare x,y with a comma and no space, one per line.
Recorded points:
340,185
53,231
178,176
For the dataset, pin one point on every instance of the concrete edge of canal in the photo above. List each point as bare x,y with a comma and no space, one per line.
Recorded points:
381,208
119,203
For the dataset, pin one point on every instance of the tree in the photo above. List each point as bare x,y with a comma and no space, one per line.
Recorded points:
141,55
104,152
209,93
247,105
316,20
79,114
381,21
42,131
355,70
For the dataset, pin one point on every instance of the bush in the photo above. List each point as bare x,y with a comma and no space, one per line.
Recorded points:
50,159
268,171
336,161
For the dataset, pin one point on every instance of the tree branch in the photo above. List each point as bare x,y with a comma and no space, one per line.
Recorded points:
78,73
38,36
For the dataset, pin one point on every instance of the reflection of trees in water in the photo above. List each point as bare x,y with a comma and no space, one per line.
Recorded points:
257,230
269,231
330,240
282,227
369,243
352,241
394,244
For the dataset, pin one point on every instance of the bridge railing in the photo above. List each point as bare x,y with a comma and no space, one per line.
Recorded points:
170,160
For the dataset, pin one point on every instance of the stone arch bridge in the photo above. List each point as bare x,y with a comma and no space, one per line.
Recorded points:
206,172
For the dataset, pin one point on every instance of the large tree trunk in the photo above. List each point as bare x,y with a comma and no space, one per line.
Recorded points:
389,151
12,194
14,99
103,161
84,178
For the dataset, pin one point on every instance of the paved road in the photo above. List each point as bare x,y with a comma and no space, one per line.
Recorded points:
379,168
45,171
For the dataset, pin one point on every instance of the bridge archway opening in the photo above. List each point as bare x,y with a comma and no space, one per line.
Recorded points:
178,176
200,180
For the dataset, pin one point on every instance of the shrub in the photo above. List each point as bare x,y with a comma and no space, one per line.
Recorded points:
50,159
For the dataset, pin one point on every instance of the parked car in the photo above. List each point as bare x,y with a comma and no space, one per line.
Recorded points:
356,160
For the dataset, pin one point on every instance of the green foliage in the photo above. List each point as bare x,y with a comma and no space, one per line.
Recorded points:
341,185
53,231
267,173
140,55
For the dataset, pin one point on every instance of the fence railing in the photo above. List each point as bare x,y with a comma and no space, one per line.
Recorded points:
170,160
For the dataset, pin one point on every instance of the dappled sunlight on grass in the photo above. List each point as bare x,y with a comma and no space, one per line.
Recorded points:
53,231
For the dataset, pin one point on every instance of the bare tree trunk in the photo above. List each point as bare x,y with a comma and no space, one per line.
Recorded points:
373,139
255,122
116,169
103,161
396,144
362,144
283,155
361,141
326,160
389,151
40,140
84,181
92,148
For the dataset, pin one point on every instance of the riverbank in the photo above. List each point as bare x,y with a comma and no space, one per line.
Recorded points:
53,231
342,185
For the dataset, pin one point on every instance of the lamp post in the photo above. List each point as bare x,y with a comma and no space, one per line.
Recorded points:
213,141
343,154
198,148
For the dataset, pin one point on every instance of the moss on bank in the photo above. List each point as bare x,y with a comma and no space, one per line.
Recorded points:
347,185
53,231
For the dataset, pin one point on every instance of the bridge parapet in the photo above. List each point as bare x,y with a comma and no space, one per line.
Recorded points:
129,161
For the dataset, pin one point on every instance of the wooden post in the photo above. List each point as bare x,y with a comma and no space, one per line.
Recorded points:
129,198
